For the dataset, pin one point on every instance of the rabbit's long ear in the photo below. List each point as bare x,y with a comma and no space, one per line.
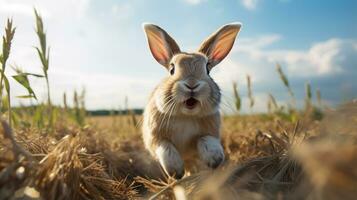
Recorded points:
217,46
161,44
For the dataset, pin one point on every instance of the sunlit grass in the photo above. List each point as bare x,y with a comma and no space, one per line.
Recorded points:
61,152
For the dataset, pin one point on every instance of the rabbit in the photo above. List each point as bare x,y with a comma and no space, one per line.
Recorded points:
182,118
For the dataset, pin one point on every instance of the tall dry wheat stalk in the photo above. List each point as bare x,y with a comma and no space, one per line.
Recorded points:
272,104
6,47
250,92
43,52
237,98
285,81
318,97
308,96
79,107
65,104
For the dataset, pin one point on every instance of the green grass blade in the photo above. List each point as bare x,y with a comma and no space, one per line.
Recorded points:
24,81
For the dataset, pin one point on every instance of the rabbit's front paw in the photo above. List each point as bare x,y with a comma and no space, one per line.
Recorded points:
170,160
210,151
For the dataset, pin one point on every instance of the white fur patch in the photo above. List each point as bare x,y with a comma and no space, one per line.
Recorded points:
210,151
159,100
183,131
170,159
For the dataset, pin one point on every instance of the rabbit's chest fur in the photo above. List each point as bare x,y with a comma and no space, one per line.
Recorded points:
183,132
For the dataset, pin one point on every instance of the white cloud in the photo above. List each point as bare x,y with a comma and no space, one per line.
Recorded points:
321,59
250,4
15,8
254,47
90,48
260,42
47,9
104,90
123,11
72,32
21,8
249,56
255,56
194,2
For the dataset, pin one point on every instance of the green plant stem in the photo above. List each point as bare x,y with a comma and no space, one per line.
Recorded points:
9,109
49,102
1,87
1,82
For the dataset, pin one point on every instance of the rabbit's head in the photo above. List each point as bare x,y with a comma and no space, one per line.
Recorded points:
188,88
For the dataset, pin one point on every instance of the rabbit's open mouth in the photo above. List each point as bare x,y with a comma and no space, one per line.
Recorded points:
191,103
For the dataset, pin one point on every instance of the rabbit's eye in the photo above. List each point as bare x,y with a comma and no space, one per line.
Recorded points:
172,69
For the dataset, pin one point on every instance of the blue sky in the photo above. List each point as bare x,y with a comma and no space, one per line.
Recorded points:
100,45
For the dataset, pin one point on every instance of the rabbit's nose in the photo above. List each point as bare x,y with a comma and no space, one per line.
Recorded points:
191,87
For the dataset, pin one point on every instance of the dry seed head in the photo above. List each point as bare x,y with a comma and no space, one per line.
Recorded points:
237,99
250,92
6,46
269,106
7,39
308,90
272,103
284,79
43,51
282,75
318,97
308,95
65,100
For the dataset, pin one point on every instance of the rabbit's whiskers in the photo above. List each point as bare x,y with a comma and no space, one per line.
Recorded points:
162,115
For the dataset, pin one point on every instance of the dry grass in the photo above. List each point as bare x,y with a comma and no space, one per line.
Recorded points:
56,153
68,168
267,158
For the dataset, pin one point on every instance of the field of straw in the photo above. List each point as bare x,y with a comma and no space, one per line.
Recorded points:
61,152
267,158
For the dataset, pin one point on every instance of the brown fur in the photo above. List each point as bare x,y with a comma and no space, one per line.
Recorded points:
168,121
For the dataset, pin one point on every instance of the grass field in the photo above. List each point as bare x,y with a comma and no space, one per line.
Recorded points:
268,157
58,152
